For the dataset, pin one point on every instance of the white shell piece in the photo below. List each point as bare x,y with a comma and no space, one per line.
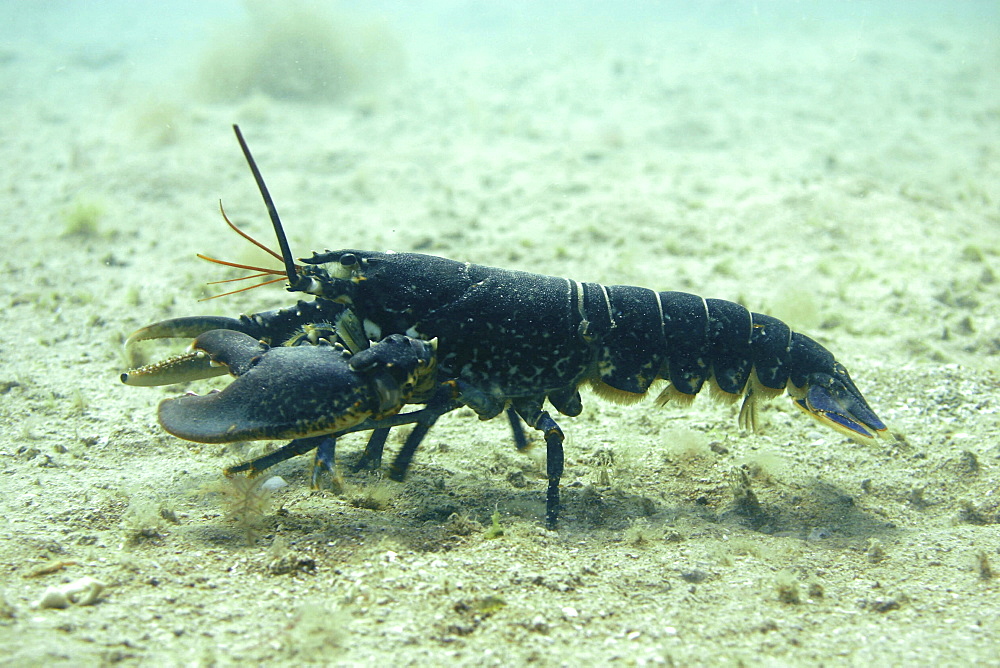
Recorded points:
84,591
274,483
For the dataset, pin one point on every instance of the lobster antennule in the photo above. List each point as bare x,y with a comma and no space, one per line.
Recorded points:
246,236
286,254
263,271
242,278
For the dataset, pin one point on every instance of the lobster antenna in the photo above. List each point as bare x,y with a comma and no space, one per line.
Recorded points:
286,253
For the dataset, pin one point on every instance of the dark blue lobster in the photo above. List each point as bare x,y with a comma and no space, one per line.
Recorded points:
503,341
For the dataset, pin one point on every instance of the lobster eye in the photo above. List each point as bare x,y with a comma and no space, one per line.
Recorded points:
349,260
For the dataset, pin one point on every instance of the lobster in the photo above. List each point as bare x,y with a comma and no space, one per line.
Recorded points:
504,341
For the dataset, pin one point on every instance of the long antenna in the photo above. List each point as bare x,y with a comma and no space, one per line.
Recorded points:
286,253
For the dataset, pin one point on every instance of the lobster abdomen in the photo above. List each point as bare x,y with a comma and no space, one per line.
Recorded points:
520,334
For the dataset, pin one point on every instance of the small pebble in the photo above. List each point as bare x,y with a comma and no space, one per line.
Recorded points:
274,483
84,591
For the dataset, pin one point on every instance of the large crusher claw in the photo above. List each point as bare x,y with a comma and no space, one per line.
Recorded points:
298,391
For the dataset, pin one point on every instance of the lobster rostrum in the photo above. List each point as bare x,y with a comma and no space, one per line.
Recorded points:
505,341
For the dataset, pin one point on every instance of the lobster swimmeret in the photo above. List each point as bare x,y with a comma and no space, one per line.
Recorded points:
505,341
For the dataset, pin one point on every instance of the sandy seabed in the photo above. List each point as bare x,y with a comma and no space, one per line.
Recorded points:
841,175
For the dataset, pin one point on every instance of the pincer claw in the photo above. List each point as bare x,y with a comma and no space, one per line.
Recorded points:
191,365
299,391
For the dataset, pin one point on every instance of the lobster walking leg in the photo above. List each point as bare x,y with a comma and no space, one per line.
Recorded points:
325,446
516,430
531,412
371,458
404,457
444,401
294,448
325,460
553,469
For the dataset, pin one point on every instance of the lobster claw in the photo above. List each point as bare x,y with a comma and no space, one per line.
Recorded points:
295,392
306,323
834,400
192,365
